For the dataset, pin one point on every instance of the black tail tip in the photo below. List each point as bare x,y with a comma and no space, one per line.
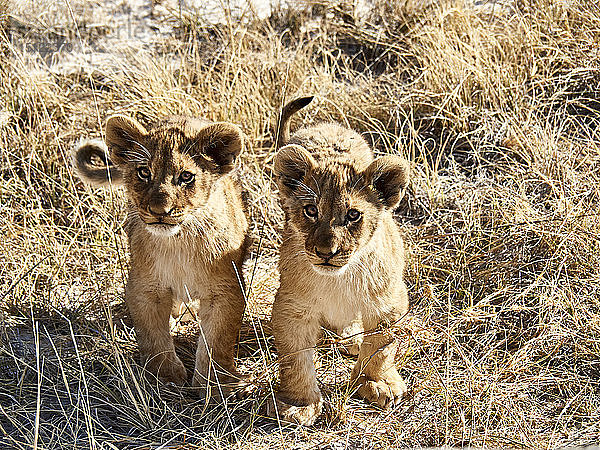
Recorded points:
303,101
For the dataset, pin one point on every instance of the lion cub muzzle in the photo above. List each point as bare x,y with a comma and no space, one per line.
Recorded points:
161,214
327,259
326,253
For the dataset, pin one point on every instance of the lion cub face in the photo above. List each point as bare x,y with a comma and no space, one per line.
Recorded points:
334,207
169,171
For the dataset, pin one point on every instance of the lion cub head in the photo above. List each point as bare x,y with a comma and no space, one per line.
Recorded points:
333,206
169,170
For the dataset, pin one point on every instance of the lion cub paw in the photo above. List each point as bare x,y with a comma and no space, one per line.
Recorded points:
386,392
302,415
168,368
231,384
239,387
352,338
350,346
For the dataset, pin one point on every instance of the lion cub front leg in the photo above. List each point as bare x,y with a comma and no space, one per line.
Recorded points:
375,372
150,310
299,398
220,320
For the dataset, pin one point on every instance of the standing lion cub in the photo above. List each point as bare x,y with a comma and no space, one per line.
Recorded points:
342,256
187,229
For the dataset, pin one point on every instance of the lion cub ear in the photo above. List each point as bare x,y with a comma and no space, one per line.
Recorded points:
222,143
123,137
291,164
389,176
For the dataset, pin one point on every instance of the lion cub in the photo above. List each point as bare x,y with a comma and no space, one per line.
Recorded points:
187,229
342,256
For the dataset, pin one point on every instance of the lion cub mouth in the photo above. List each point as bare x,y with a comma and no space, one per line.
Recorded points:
327,268
326,264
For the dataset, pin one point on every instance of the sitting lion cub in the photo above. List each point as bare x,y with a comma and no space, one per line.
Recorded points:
186,226
342,256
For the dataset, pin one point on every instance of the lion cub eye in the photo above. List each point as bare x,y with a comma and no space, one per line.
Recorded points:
186,177
143,173
353,215
311,211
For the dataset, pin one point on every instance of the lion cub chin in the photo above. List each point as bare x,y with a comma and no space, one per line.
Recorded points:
342,257
187,229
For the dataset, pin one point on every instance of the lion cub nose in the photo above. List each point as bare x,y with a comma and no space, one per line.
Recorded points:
326,253
160,210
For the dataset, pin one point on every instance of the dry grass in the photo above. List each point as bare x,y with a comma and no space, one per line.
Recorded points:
497,106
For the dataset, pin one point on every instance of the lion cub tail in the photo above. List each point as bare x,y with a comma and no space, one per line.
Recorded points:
283,129
91,162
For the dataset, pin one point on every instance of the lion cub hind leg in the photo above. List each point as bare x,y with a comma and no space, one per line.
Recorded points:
220,320
375,374
150,311
299,399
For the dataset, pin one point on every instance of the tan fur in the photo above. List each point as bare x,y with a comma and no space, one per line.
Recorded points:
332,168
187,238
